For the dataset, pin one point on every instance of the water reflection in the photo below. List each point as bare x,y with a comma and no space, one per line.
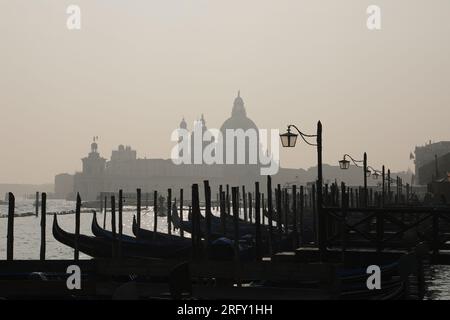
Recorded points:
438,283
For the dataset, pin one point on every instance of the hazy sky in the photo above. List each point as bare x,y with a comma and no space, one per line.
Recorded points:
137,67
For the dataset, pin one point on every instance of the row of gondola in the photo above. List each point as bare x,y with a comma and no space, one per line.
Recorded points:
150,244
147,243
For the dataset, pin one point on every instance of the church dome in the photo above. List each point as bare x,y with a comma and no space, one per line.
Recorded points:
238,119
240,167
238,123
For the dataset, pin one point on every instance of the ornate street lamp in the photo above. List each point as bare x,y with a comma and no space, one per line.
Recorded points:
376,173
288,140
345,164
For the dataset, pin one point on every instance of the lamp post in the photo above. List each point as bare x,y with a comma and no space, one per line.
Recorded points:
389,181
344,164
375,175
389,185
288,140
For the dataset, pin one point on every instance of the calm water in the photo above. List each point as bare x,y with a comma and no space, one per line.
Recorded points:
27,236
27,228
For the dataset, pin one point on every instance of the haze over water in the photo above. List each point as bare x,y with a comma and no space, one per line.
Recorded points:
137,67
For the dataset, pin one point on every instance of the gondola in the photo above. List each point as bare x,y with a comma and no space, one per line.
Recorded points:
215,233
307,215
91,246
221,248
103,247
245,229
246,233
161,239
152,235
244,226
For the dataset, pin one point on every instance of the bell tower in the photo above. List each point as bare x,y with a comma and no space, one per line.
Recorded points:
93,164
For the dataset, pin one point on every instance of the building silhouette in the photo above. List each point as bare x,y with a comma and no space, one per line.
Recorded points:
425,160
435,169
126,171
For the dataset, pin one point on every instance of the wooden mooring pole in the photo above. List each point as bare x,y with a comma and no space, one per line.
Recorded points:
119,249
314,210
294,211
169,211
113,225
77,227
223,214
207,190
10,232
155,213
343,226
181,212
43,225
257,221
36,208
235,195
279,209
217,202
195,222
138,207
302,205
263,204
223,222
286,211
389,186
244,203
227,198
383,187
104,213
270,213
250,207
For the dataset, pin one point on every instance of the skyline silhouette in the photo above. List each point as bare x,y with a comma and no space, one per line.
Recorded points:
197,150
132,72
